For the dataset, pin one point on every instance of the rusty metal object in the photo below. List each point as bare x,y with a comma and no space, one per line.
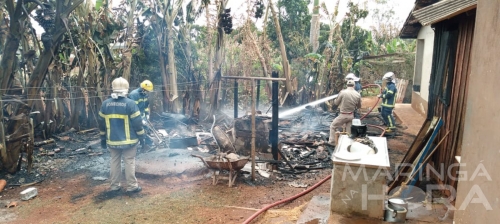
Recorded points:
216,164
224,165
223,140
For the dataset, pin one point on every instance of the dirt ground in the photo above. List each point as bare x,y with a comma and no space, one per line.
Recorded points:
69,194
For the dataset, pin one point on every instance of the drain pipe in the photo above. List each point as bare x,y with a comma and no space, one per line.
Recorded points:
322,181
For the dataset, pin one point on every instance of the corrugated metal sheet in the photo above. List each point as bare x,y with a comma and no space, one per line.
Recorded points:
442,10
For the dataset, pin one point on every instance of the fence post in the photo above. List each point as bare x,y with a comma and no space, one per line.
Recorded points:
275,119
235,98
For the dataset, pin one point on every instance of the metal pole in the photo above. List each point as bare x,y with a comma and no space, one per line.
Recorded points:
258,93
275,119
253,130
235,98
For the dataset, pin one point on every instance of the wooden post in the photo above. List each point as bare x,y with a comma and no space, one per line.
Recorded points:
253,129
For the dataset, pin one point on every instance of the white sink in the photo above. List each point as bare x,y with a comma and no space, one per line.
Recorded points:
361,154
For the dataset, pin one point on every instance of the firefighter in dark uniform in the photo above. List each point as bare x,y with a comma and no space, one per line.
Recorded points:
121,130
140,96
388,101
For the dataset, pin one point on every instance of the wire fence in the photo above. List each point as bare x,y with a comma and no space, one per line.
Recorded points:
158,89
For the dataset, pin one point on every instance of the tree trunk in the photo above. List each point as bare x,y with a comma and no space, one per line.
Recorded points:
193,86
163,64
314,32
219,48
262,60
265,52
127,54
63,9
172,71
286,68
8,63
78,101
211,73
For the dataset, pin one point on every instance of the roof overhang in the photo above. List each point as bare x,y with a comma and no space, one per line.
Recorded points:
443,10
411,26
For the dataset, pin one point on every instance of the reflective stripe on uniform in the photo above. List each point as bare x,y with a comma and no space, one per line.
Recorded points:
147,109
391,125
136,114
126,142
102,133
140,132
125,119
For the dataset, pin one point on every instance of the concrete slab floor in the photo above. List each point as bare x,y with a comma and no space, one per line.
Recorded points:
408,118
317,212
432,213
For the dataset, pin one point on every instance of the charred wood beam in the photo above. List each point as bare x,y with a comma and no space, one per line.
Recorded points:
308,154
286,159
268,161
15,138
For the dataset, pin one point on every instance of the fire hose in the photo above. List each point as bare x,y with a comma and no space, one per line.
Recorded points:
323,180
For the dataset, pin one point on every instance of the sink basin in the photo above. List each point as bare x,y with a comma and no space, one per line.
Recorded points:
355,153
360,148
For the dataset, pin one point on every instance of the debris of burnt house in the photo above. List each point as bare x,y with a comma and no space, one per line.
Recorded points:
242,134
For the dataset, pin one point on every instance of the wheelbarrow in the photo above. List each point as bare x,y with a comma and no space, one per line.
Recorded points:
225,164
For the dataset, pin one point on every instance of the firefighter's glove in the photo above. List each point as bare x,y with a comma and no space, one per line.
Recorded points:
379,96
144,122
147,117
103,144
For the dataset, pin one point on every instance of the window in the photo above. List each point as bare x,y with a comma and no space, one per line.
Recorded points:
417,78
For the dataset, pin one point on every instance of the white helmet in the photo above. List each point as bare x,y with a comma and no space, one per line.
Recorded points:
389,76
351,76
350,82
120,85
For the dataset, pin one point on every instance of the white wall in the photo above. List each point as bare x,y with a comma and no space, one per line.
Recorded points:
427,34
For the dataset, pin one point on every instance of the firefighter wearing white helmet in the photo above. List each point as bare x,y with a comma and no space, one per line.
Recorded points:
348,100
120,126
357,84
140,96
388,101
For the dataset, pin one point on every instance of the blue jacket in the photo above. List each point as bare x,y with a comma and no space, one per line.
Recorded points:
389,95
120,123
141,99
357,86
